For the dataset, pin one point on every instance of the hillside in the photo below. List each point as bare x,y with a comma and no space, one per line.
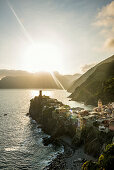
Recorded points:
6,72
23,79
66,80
100,84
84,77
41,80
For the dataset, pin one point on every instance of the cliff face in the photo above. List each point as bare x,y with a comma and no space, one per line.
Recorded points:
53,124
95,140
99,85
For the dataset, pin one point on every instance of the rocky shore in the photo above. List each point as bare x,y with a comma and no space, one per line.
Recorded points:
57,163
69,160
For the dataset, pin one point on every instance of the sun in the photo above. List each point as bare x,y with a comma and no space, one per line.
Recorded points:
43,57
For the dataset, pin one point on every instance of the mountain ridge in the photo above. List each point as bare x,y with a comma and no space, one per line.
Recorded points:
83,78
100,84
22,79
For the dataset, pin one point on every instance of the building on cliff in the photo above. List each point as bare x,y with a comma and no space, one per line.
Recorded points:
100,105
40,93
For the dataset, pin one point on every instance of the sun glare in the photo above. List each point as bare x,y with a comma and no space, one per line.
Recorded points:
36,93
43,57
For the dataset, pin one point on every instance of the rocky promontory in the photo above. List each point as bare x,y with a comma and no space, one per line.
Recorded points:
46,112
55,119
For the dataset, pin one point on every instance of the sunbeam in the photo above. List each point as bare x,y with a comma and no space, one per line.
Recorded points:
57,81
20,23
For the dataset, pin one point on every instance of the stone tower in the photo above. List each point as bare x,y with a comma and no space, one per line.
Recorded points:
100,104
40,93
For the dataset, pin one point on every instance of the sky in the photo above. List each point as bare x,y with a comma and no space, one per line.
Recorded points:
68,36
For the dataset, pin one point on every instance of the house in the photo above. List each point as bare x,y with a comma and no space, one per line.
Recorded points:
113,114
83,113
62,109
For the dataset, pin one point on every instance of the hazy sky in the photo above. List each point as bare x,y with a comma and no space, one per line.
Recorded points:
63,35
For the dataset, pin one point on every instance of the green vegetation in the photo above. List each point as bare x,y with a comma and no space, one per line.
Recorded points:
107,91
86,75
100,84
90,165
105,161
94,140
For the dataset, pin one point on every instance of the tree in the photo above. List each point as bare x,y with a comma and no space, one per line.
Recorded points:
105,161
90,165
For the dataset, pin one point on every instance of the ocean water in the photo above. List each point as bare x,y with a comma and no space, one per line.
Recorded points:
21,144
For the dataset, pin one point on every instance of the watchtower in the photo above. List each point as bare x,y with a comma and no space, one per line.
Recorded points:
40,93
100,103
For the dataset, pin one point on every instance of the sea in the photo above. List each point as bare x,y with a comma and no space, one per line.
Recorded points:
21,144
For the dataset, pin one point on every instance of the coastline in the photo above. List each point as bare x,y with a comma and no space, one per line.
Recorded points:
71,158
55,119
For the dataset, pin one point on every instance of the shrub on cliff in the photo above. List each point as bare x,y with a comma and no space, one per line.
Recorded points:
90,165
76,141
93,148
89,133
105,161
89,137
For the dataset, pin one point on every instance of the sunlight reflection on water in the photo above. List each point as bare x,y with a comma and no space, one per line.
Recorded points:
36,93
12,149
61,95
20,139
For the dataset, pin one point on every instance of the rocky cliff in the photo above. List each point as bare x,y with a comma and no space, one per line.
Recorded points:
43,112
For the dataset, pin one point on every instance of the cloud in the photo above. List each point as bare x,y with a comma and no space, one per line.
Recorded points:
109,43
105,16
86,67
108,10
105,20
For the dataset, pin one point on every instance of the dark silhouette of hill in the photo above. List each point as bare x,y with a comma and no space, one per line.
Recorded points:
5,72
84,77
41,80
66,80
99,84
22,79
